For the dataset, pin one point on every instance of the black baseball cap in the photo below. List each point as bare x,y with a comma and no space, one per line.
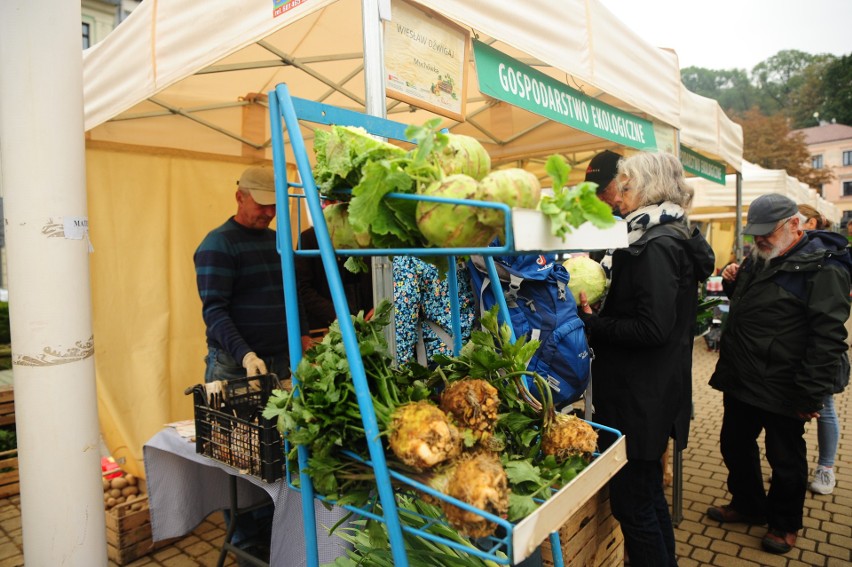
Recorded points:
602,169
765,212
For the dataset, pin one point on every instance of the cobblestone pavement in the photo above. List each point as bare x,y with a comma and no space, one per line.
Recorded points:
826,539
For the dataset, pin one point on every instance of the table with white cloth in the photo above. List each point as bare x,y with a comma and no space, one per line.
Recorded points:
185,487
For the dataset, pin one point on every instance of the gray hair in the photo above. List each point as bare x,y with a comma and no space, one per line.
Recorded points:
656,177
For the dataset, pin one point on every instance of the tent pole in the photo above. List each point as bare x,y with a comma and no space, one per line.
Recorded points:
738,222
43,176
374,87
372,12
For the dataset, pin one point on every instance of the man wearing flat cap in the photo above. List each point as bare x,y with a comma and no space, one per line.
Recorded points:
780,353
238,272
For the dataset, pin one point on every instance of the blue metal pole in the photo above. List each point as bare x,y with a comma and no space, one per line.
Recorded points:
294,331
350,341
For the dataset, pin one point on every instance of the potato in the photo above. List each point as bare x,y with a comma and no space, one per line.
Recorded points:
131,480
136,506
121,499
114,492
129,490
107,485
118,482
111,502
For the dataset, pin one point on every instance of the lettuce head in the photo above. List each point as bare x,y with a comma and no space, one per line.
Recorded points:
586,275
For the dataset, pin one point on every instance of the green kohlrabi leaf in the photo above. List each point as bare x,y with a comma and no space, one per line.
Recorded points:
558,170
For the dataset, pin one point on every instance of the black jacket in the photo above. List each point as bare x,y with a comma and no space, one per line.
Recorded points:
314,294
643,336
785,332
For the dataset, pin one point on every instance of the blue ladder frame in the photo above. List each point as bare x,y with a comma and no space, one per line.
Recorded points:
292,110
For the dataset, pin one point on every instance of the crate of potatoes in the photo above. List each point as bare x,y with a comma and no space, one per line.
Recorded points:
128,520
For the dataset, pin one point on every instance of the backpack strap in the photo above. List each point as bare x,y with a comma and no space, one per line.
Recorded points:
420,344
561,295
515,282
512,280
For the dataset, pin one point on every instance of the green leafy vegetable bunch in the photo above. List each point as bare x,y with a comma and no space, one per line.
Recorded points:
569,207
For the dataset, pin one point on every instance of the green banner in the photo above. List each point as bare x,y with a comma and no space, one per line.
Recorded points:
509,80
697,164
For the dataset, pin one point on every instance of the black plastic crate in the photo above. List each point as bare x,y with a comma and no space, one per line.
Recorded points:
229,427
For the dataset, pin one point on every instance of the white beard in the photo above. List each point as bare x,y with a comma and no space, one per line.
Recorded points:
776,250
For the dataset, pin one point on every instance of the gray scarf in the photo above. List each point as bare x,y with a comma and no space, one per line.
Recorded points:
638,222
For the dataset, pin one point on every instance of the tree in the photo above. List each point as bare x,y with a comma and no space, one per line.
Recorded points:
768,142
837,91
779,76
807,99
731,88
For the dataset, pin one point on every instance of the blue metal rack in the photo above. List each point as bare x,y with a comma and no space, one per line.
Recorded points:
292,110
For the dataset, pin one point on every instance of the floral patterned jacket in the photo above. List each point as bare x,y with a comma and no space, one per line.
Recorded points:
420,295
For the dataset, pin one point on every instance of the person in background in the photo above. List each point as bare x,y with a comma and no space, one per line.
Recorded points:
422,309
828,425
314,294
643,337
602,170
238,272
779,358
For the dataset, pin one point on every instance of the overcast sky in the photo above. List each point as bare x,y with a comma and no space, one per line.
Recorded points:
728,34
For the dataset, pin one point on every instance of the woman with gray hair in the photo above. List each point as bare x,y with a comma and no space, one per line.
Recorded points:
642,337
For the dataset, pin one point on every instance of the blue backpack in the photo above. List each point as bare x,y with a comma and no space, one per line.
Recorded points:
541,307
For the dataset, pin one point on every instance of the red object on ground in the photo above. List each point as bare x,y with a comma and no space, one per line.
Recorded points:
108,464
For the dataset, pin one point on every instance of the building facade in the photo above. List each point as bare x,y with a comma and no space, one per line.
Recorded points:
102,16
830,146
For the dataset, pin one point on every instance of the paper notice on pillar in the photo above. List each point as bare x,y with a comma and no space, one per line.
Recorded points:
77,228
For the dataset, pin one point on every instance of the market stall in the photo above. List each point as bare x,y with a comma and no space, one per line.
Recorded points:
175,108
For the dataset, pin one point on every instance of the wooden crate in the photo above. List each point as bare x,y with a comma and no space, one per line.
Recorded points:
129,531
591,537
7,405
9,478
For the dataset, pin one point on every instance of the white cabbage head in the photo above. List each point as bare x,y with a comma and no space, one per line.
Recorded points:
586,275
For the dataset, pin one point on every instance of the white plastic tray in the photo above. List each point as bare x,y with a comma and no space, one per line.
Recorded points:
532,232
550,516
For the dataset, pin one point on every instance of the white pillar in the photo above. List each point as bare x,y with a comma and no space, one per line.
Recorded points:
42,177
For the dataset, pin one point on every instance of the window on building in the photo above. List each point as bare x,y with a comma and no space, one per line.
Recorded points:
816,161
847,157
847,188
87,35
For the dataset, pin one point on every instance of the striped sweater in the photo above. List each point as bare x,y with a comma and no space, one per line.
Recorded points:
238,271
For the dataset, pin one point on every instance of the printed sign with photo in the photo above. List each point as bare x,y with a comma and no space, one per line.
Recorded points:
426,60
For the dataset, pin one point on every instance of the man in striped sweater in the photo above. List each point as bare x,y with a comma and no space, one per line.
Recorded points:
238,271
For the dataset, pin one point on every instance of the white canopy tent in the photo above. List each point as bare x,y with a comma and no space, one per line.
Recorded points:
174,110
182,75
707,129
757,181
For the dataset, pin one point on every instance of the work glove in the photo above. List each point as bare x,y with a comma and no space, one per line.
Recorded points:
253,364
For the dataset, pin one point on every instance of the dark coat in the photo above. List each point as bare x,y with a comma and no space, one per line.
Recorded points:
643,336
314,294
785,333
